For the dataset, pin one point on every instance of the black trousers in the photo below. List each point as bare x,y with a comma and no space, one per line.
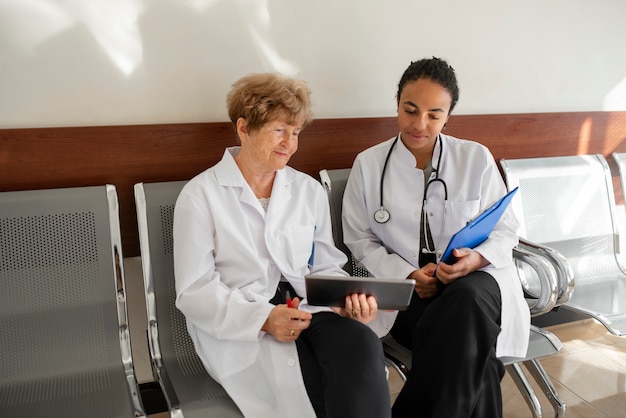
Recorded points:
455,372
343,366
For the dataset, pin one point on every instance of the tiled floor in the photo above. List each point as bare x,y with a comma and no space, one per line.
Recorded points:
589,374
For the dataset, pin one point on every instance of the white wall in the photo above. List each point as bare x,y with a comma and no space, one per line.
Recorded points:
106,62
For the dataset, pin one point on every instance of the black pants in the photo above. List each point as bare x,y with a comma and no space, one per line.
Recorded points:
343,366
455,372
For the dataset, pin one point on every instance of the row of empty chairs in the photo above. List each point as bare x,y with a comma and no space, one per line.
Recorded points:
568,204
64,339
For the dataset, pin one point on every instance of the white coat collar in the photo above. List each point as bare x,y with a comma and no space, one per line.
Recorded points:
228,174
407,156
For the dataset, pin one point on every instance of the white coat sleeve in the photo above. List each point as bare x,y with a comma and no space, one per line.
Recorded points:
201,296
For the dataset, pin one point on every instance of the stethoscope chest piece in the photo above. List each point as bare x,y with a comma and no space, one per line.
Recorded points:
381,215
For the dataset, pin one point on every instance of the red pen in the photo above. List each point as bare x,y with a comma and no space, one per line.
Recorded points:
289,305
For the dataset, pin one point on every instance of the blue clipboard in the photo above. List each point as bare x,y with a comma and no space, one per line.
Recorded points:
478,229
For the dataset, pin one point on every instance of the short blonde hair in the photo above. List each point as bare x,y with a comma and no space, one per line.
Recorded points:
264,97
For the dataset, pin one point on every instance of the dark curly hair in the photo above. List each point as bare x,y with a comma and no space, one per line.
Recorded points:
434,69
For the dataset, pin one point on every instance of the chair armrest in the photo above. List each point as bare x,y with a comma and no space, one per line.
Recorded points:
564,271
547,277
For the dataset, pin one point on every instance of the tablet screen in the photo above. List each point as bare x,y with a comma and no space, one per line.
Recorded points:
392,294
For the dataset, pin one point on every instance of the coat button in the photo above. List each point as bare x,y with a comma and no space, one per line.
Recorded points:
291,362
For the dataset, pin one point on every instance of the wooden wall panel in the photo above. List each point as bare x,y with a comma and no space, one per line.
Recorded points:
125,155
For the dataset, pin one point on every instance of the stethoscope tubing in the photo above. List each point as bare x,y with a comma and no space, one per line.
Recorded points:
382,215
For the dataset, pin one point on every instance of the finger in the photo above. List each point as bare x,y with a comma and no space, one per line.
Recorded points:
461,252
365,308
299,326
426,293
429,270
348,304
429,281
296,327
295,335
298,315
372,308
443,270
356,305
372,303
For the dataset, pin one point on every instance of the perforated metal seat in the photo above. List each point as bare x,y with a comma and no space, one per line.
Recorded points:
64,340
568,204
539,268
188,388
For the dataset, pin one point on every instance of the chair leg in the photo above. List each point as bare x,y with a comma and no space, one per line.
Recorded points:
522,383
541,377
397,367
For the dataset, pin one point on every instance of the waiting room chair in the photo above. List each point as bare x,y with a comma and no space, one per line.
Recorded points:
567,203
64,339
188,389
536,264
620,160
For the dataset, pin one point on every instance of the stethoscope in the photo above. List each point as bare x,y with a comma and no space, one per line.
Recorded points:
382,215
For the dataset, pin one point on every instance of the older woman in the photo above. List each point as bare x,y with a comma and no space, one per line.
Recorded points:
246,232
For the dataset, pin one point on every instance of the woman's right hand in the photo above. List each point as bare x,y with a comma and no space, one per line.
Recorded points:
359,307
425,283
286,323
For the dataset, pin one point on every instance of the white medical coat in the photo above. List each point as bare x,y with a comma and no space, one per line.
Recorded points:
229,256
392,249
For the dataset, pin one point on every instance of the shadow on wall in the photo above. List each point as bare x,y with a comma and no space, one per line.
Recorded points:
115,26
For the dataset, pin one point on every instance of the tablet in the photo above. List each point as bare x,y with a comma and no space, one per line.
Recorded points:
392,294
478,229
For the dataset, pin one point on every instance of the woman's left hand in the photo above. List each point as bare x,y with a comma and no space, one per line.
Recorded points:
360,307
467,261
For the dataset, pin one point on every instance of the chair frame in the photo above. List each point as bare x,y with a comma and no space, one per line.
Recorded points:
122,308
620,161
158,369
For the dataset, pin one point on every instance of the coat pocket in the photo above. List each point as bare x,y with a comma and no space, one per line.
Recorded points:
299,245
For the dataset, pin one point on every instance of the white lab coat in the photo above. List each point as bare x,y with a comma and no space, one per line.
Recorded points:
229,256
392,249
